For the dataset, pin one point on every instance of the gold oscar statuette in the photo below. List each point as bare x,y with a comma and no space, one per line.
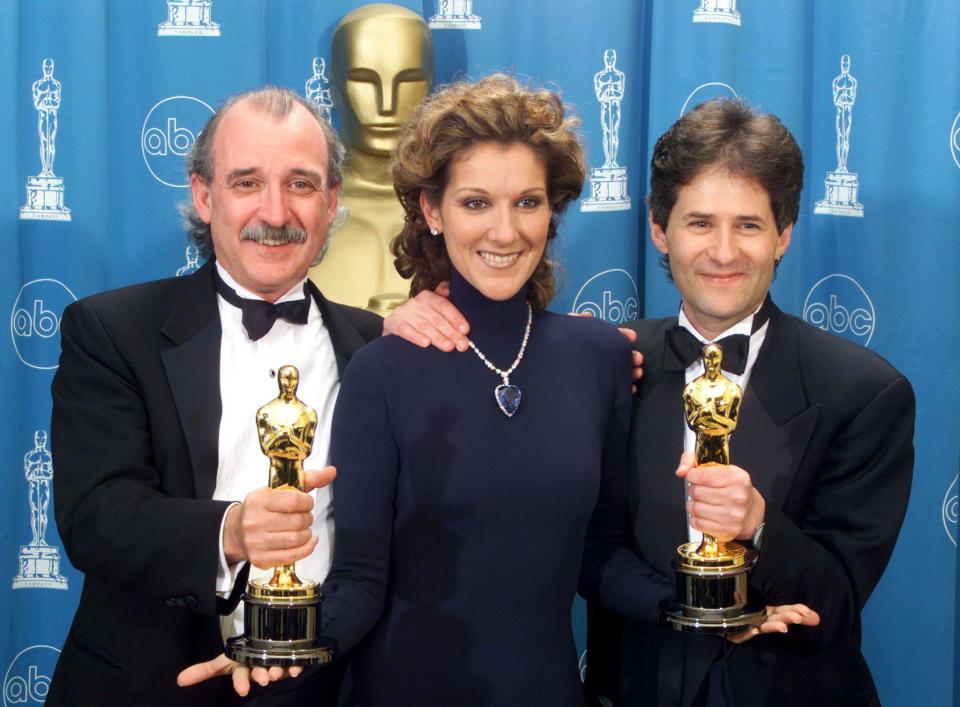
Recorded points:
382,66
281,614
712,576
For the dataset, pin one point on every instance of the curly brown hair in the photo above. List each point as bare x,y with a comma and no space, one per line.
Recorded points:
495,109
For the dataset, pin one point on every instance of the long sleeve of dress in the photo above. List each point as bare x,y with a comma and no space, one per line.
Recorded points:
365,454
611,573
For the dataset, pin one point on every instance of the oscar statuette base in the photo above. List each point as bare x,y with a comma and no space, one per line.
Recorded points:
280,627
711,592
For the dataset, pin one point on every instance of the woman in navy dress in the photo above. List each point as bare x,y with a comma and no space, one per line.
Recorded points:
477,490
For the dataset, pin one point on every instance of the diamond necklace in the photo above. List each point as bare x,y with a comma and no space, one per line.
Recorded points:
506,394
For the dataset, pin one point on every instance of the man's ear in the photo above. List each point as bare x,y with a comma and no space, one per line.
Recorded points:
333,198
430,212
783,241
200,191
657,235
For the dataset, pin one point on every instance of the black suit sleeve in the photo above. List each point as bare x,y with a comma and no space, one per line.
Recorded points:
115,516
832,554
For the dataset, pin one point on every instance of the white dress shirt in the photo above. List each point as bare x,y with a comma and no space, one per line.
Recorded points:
696,369
248,371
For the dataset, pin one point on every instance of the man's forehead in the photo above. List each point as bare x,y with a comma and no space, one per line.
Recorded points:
719,174
247,113
252,140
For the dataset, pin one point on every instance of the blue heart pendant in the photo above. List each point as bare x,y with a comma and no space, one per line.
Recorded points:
508,398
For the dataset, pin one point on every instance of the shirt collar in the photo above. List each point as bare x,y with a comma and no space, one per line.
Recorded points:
294,293
744,326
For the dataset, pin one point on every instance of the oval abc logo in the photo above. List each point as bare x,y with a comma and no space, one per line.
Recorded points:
838,304
955,140
27,680
705,92
950,511
35,322
610,295
169,131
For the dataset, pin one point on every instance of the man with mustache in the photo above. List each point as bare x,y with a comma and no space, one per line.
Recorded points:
160,493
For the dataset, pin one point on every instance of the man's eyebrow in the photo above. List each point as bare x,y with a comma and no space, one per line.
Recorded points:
241,172
312,174
739,217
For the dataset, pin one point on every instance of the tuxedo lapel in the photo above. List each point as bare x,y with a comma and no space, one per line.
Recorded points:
775,422
192,366
658,516
343,335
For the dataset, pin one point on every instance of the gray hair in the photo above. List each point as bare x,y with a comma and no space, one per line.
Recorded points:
277,102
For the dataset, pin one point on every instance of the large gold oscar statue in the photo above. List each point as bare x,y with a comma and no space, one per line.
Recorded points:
382,68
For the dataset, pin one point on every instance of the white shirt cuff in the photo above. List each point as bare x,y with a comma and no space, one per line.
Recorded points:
226,573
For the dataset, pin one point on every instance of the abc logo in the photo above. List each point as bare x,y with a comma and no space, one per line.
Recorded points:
838,304
169,131
955,140
27,680
35,322
705,92
610,295
950,510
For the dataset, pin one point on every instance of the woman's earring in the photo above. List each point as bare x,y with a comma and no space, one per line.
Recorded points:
434,232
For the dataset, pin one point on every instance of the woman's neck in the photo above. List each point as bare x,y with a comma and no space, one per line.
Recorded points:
496,326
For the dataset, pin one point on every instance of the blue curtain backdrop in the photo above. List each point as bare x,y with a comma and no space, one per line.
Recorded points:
121,88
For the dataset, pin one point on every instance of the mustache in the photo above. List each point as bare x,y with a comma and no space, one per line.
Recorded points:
277,235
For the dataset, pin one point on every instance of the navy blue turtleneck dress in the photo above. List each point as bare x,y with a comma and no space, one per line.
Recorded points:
462,534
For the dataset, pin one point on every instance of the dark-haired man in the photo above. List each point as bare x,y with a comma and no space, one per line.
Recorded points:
823,453
153,405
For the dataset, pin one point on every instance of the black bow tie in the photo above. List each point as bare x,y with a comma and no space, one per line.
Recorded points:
682,348
259,315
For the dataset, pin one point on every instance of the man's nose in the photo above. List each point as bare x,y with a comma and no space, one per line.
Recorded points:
274,209
723,248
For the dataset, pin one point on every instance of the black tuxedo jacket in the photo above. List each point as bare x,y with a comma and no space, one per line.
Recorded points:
826,433
136,415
